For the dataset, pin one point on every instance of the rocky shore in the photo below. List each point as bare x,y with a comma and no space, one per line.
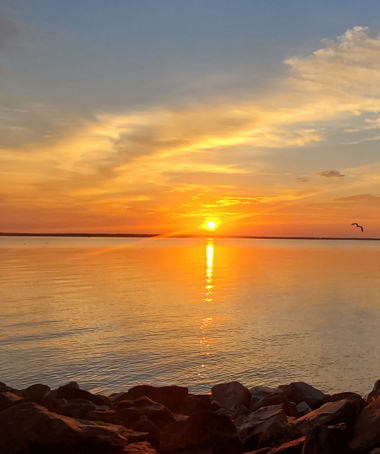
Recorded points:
291,419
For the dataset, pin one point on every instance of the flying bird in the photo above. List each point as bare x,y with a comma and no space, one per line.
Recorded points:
357,225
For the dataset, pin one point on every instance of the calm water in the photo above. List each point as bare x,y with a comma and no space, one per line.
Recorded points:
113,313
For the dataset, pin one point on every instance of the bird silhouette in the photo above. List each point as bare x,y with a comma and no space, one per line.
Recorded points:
357,225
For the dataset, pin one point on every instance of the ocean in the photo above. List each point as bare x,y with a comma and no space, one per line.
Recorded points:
112,313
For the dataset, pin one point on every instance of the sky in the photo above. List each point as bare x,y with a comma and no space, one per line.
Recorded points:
146,116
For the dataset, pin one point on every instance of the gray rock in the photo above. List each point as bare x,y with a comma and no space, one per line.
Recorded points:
231,395
300,391
330,413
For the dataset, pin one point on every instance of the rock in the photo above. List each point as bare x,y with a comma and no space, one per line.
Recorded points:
266,427
201,430
231,395
8,398
303,408
144,424
375,391
128,417
37,390
139,448
109,416
330,413
170,396
158,414
326,440
302,392
375,451
277,397
77,408
292,447
366,433
353,397
72,391
194,404
29,425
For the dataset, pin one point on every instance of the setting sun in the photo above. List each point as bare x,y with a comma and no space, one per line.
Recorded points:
211,225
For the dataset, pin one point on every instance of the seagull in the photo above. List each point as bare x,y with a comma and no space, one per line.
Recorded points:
357,225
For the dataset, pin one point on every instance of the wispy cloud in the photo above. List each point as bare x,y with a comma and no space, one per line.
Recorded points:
330,174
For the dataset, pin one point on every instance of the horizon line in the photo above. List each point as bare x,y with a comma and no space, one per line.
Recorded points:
153,235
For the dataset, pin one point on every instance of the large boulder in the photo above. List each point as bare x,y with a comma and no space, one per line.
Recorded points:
170,396
326,440
341,411
195,404
266,427
231,395
36,390
302,392
7,399
258,393
30,426
204,430
72,391
366,431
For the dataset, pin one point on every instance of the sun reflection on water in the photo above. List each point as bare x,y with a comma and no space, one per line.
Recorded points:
206,322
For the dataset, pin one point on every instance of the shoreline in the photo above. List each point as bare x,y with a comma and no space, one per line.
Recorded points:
291,419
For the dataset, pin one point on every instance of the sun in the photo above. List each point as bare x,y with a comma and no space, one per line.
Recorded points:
211,225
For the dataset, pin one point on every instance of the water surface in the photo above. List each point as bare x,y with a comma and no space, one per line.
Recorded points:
113,313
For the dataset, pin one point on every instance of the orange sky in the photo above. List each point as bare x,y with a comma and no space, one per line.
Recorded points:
295,154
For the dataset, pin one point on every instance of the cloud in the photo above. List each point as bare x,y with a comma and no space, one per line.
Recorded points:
159,154
359,198
303,179
330,174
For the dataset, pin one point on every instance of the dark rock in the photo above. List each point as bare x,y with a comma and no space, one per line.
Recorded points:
123,404
8,398
194,404
170,396
292,447
139,448
72,391
204,430
303,408
158,414
258,393
374,392
277,397
353,397
144,424
129,416
142,401
302,392
109,416
266,427
366,431
326,440
77,408
36,390
231,395
345,411
29,425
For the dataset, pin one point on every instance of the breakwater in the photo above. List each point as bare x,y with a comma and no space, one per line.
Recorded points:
292,419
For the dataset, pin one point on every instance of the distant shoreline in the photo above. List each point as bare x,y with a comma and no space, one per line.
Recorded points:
160,235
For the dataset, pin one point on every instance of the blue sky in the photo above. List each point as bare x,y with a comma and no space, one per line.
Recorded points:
141,115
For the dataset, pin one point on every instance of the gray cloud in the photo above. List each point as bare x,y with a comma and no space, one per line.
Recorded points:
302,179
330,174
359,198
